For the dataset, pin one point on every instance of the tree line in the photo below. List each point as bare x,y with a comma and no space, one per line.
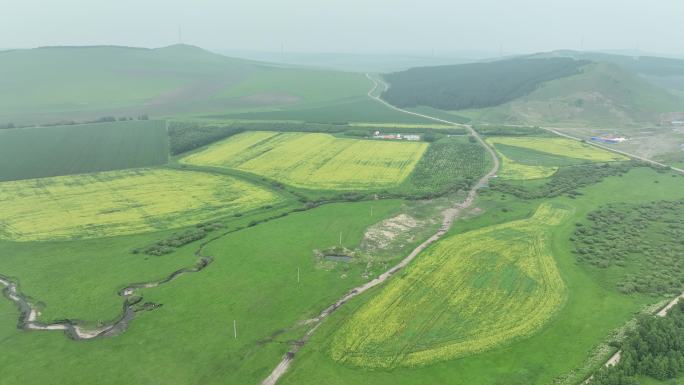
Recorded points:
655,348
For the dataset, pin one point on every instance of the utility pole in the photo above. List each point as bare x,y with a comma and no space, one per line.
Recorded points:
235,328
298,275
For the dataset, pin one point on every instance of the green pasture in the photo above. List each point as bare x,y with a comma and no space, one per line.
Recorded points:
27,153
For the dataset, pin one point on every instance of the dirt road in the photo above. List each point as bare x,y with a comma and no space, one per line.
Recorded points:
449,215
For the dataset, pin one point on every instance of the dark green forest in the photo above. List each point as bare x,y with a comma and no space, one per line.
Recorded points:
655,349
475,85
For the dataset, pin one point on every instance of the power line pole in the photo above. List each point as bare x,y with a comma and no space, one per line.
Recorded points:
235,328
298,275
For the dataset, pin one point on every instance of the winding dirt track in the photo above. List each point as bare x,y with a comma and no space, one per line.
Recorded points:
449,214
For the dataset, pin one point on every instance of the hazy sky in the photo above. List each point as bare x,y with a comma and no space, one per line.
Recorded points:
350,25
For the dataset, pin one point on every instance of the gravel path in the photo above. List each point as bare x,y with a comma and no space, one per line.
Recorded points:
449,215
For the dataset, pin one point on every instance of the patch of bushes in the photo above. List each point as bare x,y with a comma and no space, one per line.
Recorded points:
567,180
170,244
644,244
512,131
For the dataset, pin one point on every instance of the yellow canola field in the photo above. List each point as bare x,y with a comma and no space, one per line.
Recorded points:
511,169
313,160
560,146
469,293
120,202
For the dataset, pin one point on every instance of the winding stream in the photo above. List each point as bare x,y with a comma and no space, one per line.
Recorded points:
28,313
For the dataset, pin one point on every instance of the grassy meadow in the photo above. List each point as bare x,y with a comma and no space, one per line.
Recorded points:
121,202
252,280
38,152
565,350
52,84
316,161
506,297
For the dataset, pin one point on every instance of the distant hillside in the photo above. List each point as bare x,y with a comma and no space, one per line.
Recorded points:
475,85
665,72
78,83
603,94
358,62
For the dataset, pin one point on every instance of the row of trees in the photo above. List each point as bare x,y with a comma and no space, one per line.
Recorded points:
655,349
104,119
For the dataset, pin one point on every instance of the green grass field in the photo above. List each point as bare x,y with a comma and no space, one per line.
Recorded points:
253,280
121,202
469,293
316,161
62,150
358,109
565,350
50,84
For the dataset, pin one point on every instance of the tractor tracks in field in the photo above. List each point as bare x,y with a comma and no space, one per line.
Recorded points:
449,216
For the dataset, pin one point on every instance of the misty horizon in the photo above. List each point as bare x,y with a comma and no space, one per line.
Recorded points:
385,27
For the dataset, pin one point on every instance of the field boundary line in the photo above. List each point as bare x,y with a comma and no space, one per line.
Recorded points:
449,216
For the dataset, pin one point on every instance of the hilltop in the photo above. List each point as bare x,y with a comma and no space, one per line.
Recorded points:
602,94
545,89
50,84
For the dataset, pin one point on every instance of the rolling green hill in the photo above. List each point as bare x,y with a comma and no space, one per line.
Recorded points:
603,94
62,150
562,88
665,72
475,85
78,83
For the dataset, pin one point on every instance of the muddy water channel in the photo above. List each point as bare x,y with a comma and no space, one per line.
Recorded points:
132,304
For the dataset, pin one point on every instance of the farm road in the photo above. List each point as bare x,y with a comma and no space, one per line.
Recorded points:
449,215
